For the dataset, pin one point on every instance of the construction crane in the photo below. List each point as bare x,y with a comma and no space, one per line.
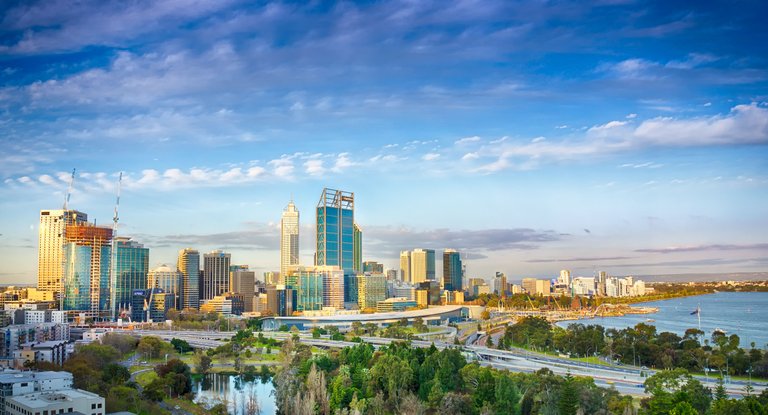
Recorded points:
69,190
113,259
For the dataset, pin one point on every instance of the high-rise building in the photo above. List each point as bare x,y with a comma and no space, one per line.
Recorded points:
336,229
289,238
86,268
243,282
565,278
422,265
371,289
405,266
452,270
131,269
189,265
215,274
170,281
357,254
50,254
500,284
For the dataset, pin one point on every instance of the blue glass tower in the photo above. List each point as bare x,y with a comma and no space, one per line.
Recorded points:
132,266
336,229
452,270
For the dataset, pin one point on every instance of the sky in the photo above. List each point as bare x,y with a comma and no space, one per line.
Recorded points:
532,136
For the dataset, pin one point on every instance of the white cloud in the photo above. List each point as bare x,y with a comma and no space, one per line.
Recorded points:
467,140
607,126
470,156
538,139
430,156
343,162
314,167
631,116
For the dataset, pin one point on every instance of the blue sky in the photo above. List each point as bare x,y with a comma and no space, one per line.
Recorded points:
532,136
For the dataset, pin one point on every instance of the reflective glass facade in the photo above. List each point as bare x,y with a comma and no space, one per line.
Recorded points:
308,286
86,267
132,266
452,270
189,265
336,229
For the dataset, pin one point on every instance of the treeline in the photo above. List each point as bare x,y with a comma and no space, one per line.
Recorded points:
641,345
401,379
566,302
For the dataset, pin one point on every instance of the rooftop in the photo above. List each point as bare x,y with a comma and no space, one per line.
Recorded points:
43,399
15,376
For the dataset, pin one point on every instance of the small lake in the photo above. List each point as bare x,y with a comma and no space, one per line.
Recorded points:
744,314
237,393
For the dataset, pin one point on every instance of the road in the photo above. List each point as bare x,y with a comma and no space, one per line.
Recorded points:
626,379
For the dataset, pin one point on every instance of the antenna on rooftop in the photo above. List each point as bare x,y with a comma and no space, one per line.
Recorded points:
69,190
113,256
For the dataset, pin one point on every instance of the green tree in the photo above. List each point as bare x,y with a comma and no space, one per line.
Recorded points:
683,408
182,346
507,396
569,400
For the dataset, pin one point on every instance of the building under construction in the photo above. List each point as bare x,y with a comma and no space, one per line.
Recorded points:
87,252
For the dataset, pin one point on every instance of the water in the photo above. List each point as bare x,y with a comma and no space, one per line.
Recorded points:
235,392
744,314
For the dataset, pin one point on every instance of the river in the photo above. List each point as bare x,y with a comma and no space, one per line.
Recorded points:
235,393
741,313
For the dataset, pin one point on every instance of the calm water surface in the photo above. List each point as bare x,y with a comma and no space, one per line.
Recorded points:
744,314
235,393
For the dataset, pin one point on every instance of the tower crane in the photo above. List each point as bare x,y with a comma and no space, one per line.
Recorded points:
69,190
113,259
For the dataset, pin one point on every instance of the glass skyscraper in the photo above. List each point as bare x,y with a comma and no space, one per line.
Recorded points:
86,269
132,266
189,265
336,229
452,270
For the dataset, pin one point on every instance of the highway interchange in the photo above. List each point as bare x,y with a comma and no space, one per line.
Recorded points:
626,379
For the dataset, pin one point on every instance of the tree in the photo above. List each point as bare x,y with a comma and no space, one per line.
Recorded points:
182,346
150,347
203,363
683,408
670,387
569,400
123,343
507,396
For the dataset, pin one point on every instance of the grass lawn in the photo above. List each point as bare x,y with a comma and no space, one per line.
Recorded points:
186,405
144,378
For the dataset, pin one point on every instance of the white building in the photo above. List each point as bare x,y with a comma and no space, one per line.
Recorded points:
16,383
53,351
63,401
289,238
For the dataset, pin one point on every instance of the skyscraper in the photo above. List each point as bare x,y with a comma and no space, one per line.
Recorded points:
422,265
405,266
86,269
131,268
242,281
215,274
189,265
452,270
289,238
336,229
357,255
52,238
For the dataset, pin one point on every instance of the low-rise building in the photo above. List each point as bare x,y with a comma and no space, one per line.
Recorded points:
226,304
15,383
59,402
394,304
52,351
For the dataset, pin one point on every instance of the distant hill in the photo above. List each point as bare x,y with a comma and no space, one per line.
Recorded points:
727,276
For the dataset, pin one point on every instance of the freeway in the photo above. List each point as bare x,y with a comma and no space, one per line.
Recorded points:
626,379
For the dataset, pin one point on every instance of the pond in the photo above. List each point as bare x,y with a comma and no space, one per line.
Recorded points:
242,397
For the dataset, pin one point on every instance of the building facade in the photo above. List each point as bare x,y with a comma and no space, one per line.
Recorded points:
289,238
169,280
371,288
86,269
131,269
215,274
188,264
452,278
405,266
243,282
336,229
422,265
52,233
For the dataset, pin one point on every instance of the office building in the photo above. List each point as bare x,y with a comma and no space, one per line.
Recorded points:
481,289
422,298
52,235
535,286
226,304
394,304
351,296
565,278
281,300
391,274
422,265
170,281
189,265
58,402
151,304
433,291
289,239
373,267
405,266
336,229
131,269
272,277
316,287
401,289
243,282
357,253
86,269
215,274
500,284
601,284
452,278
371,288
453,297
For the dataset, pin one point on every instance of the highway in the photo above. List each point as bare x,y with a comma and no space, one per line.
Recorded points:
626,379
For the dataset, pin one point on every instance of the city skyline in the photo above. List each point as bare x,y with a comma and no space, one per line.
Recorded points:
531,137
